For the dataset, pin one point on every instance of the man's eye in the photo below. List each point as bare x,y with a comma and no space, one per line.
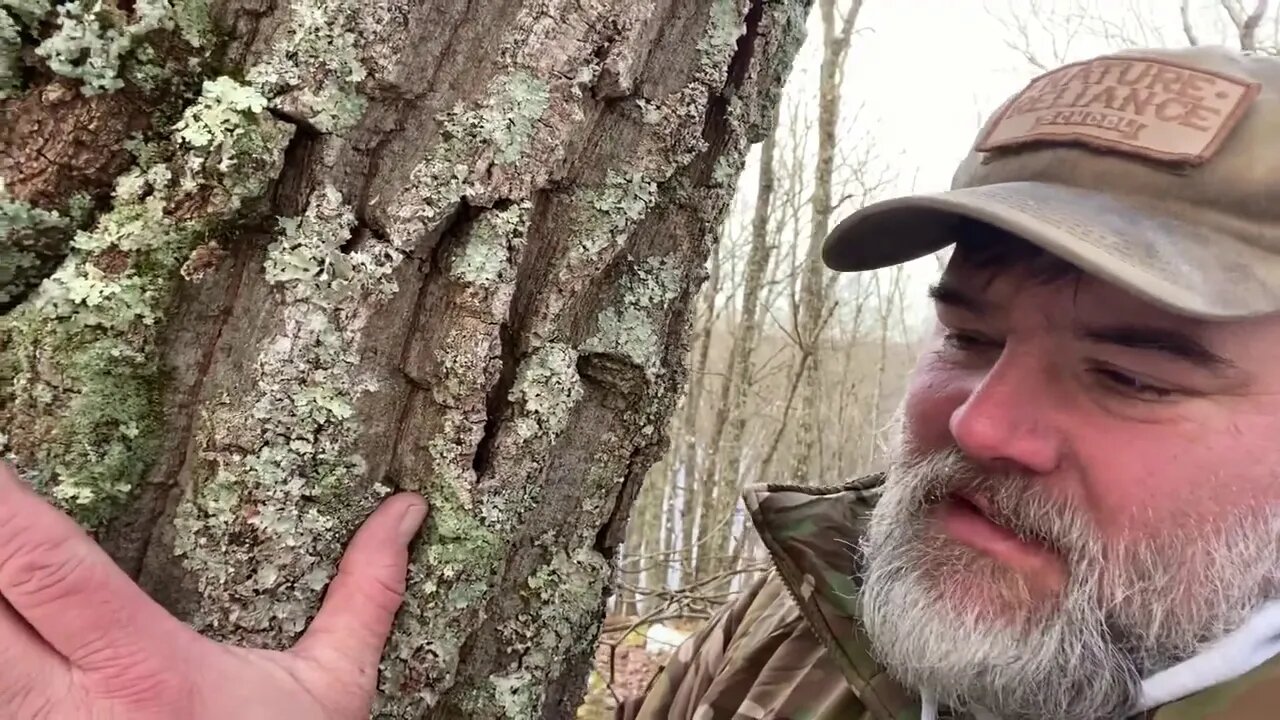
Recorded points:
968,342
1130,385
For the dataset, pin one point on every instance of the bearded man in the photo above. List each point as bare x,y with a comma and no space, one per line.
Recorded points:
1079,520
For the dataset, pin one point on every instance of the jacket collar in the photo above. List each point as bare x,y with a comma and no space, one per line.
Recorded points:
812,535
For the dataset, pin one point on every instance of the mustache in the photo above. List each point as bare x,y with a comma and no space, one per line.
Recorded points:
1015,501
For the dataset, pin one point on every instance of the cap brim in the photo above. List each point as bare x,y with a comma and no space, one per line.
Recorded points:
1187,268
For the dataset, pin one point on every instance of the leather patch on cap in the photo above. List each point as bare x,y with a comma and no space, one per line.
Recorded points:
1147,107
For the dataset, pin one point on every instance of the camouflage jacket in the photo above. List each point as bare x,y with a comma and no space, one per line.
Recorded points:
790,648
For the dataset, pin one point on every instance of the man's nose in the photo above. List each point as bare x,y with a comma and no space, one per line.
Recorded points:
1010,418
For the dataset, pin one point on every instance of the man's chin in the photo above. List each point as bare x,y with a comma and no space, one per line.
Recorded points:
964,626
971,584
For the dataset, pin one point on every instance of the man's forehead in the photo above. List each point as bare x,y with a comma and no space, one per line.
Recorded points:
1052,285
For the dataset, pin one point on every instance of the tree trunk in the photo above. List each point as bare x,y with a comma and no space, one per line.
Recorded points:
704,492
729,420
297,255
837,35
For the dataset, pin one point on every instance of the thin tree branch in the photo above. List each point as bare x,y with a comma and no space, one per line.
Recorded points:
1187,28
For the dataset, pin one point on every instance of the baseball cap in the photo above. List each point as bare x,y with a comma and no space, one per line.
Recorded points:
1157,170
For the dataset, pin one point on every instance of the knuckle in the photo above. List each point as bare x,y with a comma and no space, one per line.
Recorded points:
46,572
15,531
138,678
131,672
133,684
381,585
10,524
384,591
103,655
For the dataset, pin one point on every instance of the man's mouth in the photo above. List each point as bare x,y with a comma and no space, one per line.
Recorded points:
967,519
974,503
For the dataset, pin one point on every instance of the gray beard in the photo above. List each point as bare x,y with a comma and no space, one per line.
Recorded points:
1127,610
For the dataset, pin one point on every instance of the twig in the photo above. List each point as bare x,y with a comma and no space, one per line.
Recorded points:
1187,28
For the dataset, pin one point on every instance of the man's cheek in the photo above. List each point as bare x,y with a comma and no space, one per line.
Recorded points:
933,396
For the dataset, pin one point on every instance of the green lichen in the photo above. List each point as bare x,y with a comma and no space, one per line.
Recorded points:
650,113
10,57
720,39
608,213
727,170
465,542
216,137
32,240
456,562
484,260
216,118
459,541
19,270
505,119
629,327
517,694
82,322
510,127
93,39
28,12
314,68
86,381
194,22
97,43
546,389
503,511
603,220
16,17
561,601
289,448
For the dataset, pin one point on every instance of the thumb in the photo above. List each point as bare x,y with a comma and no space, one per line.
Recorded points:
351,628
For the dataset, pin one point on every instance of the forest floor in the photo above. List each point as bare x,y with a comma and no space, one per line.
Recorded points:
635,660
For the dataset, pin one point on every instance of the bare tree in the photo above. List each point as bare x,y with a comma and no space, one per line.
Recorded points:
701,493
1045,33
1246,23
813,306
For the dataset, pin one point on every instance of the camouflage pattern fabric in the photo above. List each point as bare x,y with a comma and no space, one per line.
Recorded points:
791,648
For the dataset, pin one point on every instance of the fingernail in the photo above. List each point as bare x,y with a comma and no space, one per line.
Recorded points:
412,520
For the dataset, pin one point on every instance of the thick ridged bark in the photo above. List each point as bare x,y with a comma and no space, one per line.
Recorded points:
358,246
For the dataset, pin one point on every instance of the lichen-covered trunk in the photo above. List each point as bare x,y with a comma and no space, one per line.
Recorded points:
262,262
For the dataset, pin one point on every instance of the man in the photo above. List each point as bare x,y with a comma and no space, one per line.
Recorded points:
1081,518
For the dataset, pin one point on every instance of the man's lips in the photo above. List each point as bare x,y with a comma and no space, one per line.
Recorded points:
979,503
966,519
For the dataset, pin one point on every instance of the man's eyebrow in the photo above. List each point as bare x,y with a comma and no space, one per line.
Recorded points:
1167,341
951,296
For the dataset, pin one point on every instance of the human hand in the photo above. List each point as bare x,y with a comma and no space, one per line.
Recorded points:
78,639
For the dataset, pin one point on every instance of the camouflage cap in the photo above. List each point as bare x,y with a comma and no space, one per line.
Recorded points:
1157,170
